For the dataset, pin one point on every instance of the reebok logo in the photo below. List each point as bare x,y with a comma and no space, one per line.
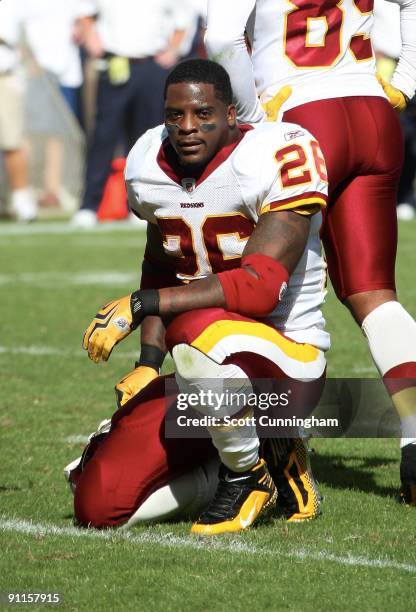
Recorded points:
294,134
192,205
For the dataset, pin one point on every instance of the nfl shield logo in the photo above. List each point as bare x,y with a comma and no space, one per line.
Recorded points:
188,184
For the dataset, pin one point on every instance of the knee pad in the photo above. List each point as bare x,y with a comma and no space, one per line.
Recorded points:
198,373
191,363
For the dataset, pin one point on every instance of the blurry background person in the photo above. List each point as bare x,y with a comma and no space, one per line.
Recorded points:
135,45
49,34
387,44
22,202
45,30
193,45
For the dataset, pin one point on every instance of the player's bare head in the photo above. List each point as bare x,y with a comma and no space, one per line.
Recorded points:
199,114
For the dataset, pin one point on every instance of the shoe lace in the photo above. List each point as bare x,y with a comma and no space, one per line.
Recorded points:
225,497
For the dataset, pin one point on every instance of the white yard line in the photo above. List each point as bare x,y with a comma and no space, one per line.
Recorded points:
50,351
64,279
365,370
78,439
106,241
169,540
15,229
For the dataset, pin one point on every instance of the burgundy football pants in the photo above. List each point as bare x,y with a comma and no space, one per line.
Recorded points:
361,140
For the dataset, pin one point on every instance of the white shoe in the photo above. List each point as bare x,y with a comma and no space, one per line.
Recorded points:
67,472
23,206
103,428
405,212
84,219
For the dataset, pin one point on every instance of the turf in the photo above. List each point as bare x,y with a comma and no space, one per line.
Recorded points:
360,554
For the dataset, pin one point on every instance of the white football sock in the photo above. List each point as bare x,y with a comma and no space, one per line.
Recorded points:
195,373
391,335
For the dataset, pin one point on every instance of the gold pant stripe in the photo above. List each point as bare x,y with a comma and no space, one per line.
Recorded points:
215,332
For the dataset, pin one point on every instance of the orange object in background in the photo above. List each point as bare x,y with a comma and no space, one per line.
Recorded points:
113,205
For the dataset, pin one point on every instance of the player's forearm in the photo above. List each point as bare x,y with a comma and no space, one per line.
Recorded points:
152,344
152,333
205,293
404,77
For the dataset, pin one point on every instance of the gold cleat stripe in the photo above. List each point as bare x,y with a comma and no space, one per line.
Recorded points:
256,503
306,511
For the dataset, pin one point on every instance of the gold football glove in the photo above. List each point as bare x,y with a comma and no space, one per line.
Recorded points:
396,97
134,382
110,325
116,321
272,107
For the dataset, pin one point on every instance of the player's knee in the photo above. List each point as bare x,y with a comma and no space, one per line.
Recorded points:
365,302
190,363
198,373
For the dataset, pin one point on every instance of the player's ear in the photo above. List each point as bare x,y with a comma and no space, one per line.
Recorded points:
231,116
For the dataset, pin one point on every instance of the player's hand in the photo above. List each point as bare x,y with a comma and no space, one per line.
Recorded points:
116,321
110,325
134,382
396,97
273,106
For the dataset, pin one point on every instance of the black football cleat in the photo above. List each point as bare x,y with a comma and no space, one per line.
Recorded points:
288,461
408,475
241,498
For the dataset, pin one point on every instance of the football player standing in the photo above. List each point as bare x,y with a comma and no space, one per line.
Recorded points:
232,285
322,49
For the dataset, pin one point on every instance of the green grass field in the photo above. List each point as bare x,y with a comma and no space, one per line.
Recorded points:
360,554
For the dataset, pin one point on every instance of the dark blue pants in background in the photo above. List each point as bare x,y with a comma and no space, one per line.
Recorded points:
123,113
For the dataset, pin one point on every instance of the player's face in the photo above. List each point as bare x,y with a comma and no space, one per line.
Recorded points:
199,124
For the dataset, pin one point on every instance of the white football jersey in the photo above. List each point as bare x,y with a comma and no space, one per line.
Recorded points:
205,225
321,48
